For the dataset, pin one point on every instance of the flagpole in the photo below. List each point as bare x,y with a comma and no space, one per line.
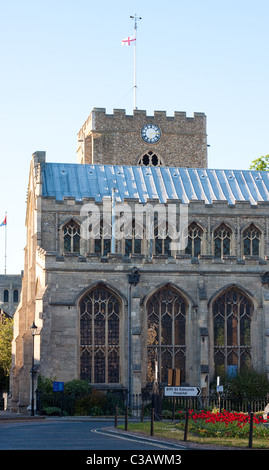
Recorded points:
135,18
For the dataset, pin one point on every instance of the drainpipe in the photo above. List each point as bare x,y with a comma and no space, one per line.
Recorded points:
113,218
133,279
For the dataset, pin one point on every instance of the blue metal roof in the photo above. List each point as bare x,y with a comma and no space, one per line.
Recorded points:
163,183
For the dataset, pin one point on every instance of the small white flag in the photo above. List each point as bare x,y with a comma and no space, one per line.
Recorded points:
128,41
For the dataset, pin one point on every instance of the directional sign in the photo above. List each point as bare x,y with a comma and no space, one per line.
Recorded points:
58,386
182,391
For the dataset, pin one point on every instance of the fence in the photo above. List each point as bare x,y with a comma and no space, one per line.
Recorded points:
104,403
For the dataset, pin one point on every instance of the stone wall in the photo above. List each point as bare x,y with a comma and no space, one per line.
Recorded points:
55,282
115,139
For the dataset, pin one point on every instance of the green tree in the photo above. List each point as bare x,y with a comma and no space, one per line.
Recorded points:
261,163
6,335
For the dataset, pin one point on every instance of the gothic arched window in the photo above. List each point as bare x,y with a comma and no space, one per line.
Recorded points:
99,336
102,245
71,234
133,244
222,241
162,241
166,314
150,159
251,240
15,295
6,295
232,321
194,240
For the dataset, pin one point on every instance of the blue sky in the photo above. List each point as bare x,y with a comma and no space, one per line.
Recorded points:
59,59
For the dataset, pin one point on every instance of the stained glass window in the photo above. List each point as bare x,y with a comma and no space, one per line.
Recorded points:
99,336
232,321
166,313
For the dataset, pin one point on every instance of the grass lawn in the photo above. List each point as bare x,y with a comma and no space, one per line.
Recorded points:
170,430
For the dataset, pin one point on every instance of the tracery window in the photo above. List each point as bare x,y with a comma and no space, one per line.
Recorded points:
222,241
251,241
132,244
232,321
102,245
99,336
150,159
71,234
166,314
194,240
162,241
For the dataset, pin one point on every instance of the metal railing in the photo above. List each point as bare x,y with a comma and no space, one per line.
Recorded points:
60,403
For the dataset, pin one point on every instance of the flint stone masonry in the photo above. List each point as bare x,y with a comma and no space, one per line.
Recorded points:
115,138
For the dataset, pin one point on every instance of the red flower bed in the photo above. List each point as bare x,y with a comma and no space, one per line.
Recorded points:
226,417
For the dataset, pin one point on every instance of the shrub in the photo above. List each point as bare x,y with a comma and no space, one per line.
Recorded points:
246,384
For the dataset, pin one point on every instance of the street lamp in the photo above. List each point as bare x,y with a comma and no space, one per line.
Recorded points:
33,330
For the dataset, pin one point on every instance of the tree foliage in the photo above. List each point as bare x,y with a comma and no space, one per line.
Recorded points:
248,383
261,163
6,335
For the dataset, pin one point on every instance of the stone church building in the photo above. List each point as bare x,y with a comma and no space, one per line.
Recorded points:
108,302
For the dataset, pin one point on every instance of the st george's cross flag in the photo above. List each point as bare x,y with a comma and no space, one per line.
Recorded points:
128,41
4,222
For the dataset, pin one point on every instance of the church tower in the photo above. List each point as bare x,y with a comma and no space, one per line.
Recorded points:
138,139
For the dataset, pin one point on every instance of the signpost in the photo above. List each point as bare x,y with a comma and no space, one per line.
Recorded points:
58,386
182,391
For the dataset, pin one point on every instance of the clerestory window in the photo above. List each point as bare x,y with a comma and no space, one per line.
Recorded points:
71,234
222,241
251,241
194,240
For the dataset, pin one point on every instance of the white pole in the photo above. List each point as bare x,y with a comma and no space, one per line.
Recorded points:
113,244
6,244
135,86
135,18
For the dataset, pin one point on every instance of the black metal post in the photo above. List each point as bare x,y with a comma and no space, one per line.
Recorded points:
250,430
33,379
152,422
116,416
186,426
126,418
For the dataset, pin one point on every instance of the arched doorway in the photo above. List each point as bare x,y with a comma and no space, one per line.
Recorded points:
99,336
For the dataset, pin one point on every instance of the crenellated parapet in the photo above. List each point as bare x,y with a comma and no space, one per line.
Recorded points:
118,137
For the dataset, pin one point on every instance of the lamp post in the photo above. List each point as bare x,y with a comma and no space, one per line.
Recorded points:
33,329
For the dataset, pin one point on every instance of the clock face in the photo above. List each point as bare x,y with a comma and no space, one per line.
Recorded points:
151,133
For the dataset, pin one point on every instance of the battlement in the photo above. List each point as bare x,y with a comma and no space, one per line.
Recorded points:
117,138
98,116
